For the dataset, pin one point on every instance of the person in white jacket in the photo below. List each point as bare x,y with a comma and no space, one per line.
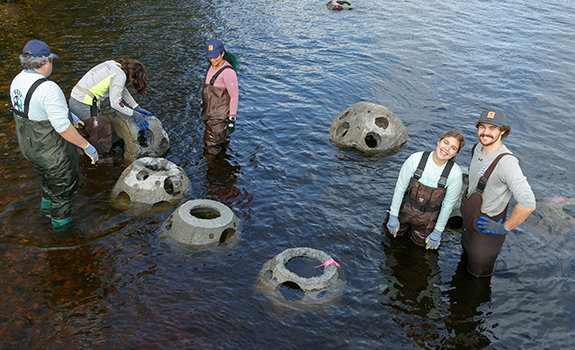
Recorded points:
107,80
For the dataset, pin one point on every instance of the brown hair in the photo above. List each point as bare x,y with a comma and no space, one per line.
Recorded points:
457,135
136,73
505,130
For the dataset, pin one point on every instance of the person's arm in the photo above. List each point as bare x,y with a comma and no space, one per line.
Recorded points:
71,135
517,182
405,174
231,82
120,98
517,217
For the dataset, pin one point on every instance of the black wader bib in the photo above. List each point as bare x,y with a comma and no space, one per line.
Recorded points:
421,204
216,104
55,159
480,249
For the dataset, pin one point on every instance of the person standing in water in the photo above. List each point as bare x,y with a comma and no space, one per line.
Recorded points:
219,97
427,188
494,176
45,133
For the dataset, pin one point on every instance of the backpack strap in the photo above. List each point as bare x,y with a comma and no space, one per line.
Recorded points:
421,165
28,98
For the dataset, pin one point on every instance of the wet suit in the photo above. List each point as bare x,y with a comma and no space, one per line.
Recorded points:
220,101
493,178
428,200
40,113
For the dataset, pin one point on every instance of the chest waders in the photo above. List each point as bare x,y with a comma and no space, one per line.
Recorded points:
421,204
216,104
480,249
97,129
55,159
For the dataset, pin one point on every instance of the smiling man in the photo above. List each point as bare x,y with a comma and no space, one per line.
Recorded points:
494,176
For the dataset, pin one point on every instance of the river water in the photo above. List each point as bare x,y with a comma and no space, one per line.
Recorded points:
436,65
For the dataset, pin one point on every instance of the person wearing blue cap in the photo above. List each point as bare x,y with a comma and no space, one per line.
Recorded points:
45,133
494,176
219,97
107,80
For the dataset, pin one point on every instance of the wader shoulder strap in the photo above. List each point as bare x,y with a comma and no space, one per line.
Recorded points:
28,98
213,80
421,165
483,180
445,174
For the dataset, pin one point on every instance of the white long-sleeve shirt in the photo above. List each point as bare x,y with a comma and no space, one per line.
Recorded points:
429,177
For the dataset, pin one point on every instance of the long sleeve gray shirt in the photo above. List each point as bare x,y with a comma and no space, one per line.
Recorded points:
506,180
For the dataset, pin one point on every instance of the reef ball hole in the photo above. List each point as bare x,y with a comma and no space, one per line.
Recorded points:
304,267
342,129
168,224
205,213
291,291
161,205
344,115
145,138
227,234
156,167
382,122
372,140
168,186
142,175
123,199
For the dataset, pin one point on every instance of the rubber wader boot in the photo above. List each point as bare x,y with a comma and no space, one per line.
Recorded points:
45,207
62,222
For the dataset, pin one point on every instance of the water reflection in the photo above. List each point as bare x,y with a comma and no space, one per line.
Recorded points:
432,312
413,280
466,294
221,176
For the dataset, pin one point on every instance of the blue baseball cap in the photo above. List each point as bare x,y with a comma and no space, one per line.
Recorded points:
214,48
37,48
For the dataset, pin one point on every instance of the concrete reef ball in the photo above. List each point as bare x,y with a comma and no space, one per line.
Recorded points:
340,5
138,143
150,181
201,222
317,290
368,127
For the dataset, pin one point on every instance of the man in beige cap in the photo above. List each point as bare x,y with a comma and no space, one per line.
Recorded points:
494,176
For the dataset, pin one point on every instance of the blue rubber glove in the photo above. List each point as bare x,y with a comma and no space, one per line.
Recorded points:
91,152
144,112
486,225
393,225
434,239
140,121
76,121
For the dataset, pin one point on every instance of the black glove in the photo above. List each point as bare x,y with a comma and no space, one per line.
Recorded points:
230,125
